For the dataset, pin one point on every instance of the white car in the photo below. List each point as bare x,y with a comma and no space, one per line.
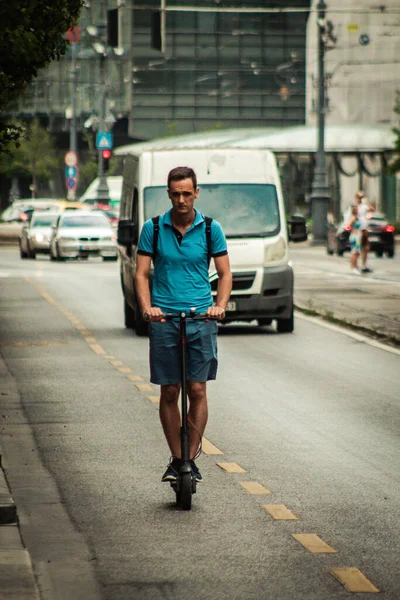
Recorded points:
80,234
35,235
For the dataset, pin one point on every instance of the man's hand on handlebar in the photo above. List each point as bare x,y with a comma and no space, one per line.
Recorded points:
216,312
154,314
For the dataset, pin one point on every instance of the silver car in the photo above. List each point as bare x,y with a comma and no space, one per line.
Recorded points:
35,236
80,234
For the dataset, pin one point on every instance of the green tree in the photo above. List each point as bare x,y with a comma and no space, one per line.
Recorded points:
32,33
395,165
34,157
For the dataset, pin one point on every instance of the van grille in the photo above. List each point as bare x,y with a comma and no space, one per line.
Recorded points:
240,281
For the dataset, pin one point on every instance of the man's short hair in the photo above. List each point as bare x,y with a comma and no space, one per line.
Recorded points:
179,173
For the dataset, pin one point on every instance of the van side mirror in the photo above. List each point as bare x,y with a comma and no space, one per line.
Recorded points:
297,229
126,235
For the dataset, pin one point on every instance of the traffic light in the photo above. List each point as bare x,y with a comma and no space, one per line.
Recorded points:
112,28
105,155
156,33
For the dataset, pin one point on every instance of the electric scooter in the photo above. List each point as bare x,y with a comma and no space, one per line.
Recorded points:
185,484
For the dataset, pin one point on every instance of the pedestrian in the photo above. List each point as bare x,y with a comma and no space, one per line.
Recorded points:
363,210
180,282
355,240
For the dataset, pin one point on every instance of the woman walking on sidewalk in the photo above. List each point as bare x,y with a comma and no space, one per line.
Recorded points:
355,240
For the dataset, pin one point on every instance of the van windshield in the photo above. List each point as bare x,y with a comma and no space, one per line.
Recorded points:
244,210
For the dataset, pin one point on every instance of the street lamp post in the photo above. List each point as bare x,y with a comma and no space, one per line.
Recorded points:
320,192
102,189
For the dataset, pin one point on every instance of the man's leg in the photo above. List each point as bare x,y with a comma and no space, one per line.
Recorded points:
364,249
170,417
198,414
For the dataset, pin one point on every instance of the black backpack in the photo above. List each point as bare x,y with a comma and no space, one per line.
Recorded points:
208,221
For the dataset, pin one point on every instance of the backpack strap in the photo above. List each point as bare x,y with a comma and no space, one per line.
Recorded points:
208,221
155,236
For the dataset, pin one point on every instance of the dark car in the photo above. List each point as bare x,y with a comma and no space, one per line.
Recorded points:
380,235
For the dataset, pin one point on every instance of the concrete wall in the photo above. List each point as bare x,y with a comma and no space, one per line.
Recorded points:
362,80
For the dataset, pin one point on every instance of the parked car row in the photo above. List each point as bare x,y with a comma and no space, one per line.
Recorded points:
68,234
381,235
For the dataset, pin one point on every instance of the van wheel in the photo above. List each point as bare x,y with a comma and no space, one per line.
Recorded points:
285,325
129,316
141,326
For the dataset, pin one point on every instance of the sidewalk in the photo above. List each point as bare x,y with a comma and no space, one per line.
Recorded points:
17,581
368,303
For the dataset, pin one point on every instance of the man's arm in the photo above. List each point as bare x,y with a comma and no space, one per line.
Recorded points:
142,285
224,288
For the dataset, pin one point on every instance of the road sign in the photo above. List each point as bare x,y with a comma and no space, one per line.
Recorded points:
104,140
71,183
71,160
71,172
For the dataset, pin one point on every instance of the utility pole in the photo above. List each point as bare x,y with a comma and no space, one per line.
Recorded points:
320,192
73,145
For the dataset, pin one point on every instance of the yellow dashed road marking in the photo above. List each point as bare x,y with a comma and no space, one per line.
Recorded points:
116,363
125,370
80,327
97,348
85,333
209,448
254,488
135,378
231,467
144,387
154,399
279,512
90,339
353,580
313,543
109,357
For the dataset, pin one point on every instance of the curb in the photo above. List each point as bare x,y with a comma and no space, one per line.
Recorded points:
342,322
8,508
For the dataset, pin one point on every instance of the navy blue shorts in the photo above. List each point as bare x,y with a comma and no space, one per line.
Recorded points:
201,352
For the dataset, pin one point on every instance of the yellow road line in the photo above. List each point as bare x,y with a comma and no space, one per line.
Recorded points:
97,348
252,487
144,387
154,399
353,580
279,512
125,370
231,467
109,357
209,448
135,378
85,333
90,339
313,543
116,363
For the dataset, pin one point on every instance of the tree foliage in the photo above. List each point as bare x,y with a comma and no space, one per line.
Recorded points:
32,33
34,157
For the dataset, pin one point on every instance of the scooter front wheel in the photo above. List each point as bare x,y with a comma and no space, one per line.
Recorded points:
184,492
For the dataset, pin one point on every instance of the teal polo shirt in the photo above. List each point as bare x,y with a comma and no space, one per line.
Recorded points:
180,279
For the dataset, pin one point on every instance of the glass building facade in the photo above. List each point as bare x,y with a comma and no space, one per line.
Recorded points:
219,69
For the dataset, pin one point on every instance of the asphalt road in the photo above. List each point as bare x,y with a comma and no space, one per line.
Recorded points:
312,416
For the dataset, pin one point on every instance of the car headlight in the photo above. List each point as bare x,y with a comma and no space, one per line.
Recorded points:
274,252
38,237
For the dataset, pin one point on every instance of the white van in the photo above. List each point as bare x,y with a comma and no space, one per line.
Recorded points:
241,189
114,183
